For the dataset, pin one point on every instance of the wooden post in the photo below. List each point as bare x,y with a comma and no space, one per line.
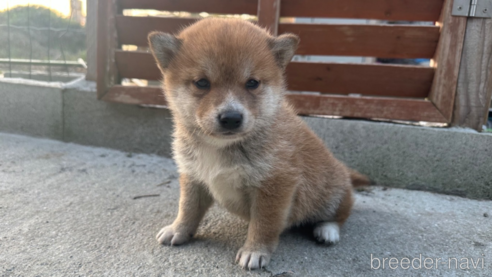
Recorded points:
474,90
107,42
91,41
269,14
447,60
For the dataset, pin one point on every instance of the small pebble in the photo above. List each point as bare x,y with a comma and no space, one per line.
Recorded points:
485,215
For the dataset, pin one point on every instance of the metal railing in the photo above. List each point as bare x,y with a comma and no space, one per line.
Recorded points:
40,39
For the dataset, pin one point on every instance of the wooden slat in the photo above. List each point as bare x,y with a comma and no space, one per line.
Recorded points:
376,79
420,10
194,6
106,43
366,107
416,10
134,29
136,95
474,89
367,79
316,39
268,15
358,107
384,41
138,65
447,60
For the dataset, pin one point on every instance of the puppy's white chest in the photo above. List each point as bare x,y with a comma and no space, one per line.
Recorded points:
225,179
226,187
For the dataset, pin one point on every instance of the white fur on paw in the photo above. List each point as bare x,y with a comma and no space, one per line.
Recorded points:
169,236
327,232
251,259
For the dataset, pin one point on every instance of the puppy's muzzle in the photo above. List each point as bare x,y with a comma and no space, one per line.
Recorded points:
230,120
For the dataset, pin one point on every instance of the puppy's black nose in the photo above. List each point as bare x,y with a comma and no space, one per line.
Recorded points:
231,120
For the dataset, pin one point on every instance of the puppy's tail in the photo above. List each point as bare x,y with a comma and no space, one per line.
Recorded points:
358,180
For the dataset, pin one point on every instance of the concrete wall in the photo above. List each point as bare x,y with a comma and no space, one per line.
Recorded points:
31,108
453,161
125,127
70,112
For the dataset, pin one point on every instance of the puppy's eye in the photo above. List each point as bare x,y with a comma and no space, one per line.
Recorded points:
252,84
202,84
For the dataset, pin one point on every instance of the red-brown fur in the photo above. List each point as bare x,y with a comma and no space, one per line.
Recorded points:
275,172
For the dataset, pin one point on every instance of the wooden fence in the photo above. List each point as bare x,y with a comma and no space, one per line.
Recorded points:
394,92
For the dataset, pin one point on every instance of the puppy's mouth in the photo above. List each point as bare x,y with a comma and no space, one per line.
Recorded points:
229,134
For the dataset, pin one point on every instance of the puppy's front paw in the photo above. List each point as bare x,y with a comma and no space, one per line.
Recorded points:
171,236
250,258
327,232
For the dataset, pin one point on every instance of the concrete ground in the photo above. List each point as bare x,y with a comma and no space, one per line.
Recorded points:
71,210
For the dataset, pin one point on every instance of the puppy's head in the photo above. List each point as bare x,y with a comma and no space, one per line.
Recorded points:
223,78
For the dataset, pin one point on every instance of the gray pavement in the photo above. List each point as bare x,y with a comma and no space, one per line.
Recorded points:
70,210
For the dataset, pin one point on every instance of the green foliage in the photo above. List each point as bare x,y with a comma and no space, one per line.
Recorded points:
65,34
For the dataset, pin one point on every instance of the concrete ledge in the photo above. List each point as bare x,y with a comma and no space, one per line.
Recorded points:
31,108
450,161
124,127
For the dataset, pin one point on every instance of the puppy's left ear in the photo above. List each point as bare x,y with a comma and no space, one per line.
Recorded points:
284,48
164,47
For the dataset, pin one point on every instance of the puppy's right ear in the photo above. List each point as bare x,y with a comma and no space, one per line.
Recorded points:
284,48
164,47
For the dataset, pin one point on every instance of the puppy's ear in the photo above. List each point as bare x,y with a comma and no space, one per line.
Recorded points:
284,48
164,47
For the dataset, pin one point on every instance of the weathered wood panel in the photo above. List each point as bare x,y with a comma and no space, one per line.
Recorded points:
134,29
106,44
416,10
384,41
366,107
194,6
316,39
268,15
376,79
475,77
419,10
366,79
357,107
91,40
136,95
137,64
447,60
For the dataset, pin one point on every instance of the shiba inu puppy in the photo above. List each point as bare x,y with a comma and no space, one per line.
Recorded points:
239,143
